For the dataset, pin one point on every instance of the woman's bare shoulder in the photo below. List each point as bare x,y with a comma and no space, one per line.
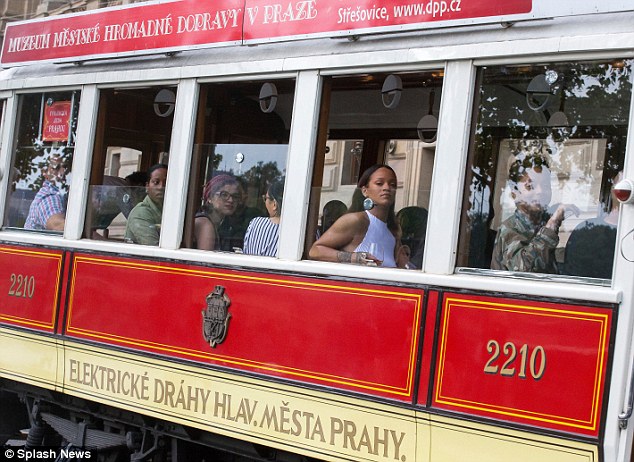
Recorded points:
352,220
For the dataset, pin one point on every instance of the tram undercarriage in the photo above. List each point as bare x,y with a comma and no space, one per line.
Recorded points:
37,419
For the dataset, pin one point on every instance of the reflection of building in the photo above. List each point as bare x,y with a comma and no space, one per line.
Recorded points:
19,10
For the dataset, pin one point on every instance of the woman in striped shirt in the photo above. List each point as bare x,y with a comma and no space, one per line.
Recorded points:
262,234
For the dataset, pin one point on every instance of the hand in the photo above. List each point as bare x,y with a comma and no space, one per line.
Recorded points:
365,258
562,212
402,256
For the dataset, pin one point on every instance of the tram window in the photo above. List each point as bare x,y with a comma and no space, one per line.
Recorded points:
43,149
374,119
134,128
238,167
554,133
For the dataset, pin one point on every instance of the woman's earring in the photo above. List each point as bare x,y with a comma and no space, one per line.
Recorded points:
368,204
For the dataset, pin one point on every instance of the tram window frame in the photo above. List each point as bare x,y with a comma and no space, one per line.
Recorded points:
356,110
54,167
133,133
567,113
241,146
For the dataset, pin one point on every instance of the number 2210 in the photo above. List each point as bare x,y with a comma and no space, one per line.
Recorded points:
536,361
22,286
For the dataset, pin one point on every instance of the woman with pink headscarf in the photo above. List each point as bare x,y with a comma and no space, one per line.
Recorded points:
221,197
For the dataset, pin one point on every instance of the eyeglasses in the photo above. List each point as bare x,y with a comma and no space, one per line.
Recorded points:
224,195
267,198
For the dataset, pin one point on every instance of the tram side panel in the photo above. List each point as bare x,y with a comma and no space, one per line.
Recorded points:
32,287
198,330
352,337
525,362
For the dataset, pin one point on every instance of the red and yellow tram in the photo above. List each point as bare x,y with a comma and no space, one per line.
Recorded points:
165,350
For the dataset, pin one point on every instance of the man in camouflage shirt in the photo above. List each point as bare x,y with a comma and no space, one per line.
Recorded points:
526,241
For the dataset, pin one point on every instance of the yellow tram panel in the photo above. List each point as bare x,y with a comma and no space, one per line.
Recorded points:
454,440
29,358
326,426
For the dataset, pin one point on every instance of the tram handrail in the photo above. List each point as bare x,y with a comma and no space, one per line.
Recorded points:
624,417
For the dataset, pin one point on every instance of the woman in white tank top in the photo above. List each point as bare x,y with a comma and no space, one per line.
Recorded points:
354,236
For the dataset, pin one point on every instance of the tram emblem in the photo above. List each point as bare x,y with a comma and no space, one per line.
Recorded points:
216,316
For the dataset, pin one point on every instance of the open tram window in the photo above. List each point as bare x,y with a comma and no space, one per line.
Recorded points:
370,119
236,189
134,128
547,145
43,149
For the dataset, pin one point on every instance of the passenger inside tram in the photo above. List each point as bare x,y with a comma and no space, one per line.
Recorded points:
369,234
590,247
221,196
133,132
526,241
242,133
116,197
262,234
233,228
573,114
48,209
331,212
413,223
377,118
144,222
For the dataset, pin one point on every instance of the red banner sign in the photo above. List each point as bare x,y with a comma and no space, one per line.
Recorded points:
266,19
56,121
147,28
526,362
182,24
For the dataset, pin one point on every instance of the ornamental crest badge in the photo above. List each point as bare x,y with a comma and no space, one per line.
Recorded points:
216,316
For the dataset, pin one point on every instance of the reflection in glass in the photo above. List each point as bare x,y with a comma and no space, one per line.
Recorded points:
229,199
240,154
133,134
571,116
361,130
42,159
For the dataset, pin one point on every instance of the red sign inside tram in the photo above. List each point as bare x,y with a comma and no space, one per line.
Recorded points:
56,125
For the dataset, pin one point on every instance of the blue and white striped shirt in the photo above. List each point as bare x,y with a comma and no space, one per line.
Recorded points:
261,237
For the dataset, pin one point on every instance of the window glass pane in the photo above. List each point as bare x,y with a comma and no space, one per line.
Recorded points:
43,150
236,189
547,146
134,130
370,120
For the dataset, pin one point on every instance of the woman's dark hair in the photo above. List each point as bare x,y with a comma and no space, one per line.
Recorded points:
364,179
276,191
331,213
152,169
356,204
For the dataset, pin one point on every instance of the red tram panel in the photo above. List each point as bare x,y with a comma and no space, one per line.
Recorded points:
525,362
30,287
362,338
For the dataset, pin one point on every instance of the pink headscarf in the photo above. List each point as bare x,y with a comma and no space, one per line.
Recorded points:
216,183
